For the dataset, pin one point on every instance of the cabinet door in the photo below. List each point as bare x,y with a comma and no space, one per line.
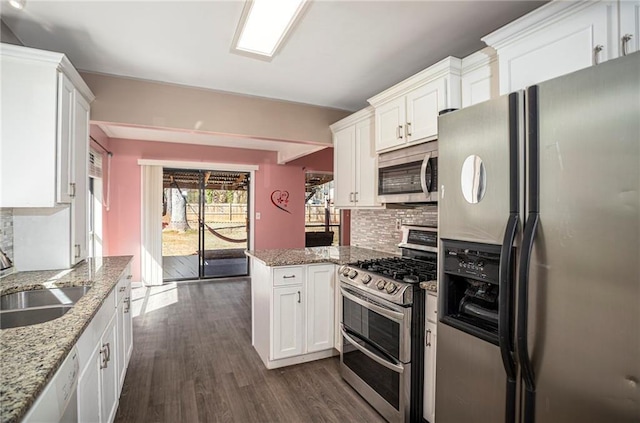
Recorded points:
423,105
109,374
344,167
121,353
629,26
64,148
287,322
80,178
555,50
89,400
319,307
429,404
390,120
128,329
366,187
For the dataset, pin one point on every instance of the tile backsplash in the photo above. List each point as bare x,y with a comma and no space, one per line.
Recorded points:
6,236
376,229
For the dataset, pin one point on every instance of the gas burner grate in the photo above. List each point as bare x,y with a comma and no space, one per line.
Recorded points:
409,270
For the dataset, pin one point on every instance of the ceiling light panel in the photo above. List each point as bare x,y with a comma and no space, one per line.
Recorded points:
265,24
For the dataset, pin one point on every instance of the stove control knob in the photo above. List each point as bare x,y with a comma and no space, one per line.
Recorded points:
391,287
352,273
345,272
366,279
380,284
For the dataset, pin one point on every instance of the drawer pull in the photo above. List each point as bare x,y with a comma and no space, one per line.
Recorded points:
289,277
129,276
128,303
428,338
122,289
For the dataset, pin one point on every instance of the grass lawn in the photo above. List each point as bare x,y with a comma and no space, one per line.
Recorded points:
185,243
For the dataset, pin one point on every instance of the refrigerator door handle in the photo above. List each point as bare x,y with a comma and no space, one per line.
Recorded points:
523,315
505,307
533,218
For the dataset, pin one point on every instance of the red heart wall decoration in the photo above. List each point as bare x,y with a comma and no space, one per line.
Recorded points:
280,199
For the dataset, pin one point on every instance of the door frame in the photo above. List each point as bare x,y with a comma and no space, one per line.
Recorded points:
148,214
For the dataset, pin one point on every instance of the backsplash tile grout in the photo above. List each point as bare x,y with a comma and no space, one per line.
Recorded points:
6,237
376,229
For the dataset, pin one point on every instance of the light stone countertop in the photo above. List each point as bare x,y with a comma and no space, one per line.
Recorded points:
30,355
296,256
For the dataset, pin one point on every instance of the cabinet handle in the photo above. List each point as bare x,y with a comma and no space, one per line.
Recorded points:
399,132
625,42
122,289
129,276
127,301
108,352
428,338
596,53
77,250
299,297
103,354
289,277
409,129
72,185
355,197
352,197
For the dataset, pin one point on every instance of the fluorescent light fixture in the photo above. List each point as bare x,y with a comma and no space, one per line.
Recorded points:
18,4
265,25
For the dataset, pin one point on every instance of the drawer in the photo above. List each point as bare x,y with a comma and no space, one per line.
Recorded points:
293,275
432,308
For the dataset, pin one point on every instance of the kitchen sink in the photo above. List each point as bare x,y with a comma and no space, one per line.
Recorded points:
42,298
31,316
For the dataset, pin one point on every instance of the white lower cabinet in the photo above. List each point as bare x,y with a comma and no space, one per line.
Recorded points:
430,336
98,381
287,322
125,327
292,312
320,288
104,350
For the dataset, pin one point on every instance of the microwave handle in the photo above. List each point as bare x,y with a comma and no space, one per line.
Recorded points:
423,174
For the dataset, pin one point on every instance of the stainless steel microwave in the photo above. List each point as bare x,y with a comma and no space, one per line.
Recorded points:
409,175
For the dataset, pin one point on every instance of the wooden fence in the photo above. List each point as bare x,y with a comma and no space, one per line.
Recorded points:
237,213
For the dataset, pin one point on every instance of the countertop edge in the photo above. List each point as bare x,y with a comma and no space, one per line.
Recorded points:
27,397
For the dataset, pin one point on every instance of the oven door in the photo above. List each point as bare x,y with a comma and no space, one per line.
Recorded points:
383,324
380,379
376,353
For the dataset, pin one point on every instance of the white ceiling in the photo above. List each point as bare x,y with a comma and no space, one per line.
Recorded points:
340,54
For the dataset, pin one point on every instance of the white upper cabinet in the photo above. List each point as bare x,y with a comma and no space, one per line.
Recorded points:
629,26
355,161
408,112
556,39
480,77
41,130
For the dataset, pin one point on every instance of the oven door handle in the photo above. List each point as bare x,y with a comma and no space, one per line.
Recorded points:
393,315
391,366
426,188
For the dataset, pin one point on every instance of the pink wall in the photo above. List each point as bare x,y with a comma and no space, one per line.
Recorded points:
320,161
275,229
279,227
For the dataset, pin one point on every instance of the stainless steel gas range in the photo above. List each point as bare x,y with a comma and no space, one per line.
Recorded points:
383,325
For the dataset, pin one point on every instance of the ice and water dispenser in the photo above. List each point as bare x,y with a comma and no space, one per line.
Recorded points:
471,288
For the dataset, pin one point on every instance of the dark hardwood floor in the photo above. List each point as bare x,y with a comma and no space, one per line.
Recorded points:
193,362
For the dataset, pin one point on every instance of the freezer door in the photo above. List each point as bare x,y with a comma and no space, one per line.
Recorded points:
477,170
584,278
470,379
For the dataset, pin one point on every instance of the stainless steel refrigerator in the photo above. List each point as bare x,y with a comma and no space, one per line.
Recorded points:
539,263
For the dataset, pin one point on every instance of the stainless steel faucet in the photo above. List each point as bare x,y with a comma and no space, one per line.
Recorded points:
5,262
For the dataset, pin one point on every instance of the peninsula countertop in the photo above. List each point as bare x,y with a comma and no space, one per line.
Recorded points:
32,354
296,256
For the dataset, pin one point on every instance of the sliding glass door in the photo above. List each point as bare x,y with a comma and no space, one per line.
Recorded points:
205,225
